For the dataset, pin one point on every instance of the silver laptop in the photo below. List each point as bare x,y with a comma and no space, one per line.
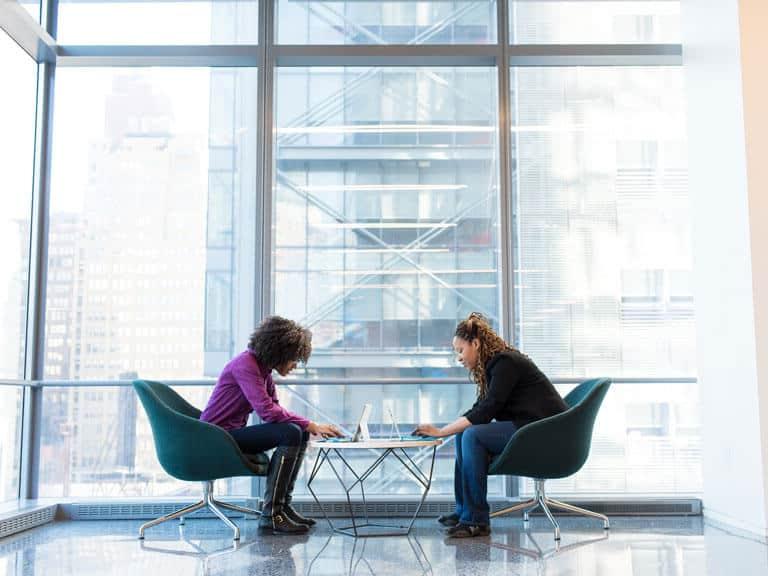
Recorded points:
361,432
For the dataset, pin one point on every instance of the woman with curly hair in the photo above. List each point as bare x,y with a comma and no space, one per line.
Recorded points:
244,386
511,392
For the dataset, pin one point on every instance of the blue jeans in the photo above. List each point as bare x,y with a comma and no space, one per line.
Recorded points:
262,437
475,447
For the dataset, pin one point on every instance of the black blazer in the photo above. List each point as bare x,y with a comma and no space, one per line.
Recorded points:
517,391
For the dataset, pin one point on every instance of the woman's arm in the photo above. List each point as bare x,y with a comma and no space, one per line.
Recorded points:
253,386
458,425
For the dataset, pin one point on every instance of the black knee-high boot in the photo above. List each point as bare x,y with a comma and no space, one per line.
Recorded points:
273,515
289,510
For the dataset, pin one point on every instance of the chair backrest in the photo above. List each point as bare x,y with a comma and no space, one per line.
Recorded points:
580,392
557,446
187,448
171,398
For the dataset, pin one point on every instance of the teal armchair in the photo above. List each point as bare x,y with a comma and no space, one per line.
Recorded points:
554,447
194,451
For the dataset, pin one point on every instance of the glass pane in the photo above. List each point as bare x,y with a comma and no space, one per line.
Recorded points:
11,406
132,22
386,213
96,442
410,404
647,440
595,22
33,7
147,275
405,22
17,151
603,285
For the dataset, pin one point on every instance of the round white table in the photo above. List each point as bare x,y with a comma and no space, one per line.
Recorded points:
363,528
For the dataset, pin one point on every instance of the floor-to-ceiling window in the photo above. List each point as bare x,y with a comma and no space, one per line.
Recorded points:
17,151
391,167
603,284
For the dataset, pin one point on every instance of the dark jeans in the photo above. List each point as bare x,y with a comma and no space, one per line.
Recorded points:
262,437
474,448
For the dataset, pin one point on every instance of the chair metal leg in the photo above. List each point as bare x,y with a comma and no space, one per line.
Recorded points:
213,506
178,514
577,510
223,517
236,508
526,513
515,507
543,504
208,501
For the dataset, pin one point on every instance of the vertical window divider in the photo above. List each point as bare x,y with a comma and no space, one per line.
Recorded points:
507,235
34,356
263,301
264,150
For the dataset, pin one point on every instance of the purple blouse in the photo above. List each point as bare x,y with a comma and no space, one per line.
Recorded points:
245,386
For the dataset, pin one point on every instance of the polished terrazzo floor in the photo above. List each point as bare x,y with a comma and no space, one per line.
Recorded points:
634,546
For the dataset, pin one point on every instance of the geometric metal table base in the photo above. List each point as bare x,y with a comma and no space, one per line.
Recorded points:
363,527
208,501
540,499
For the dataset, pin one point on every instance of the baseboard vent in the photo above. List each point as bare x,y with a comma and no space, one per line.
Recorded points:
26,519
377,508
126,510
658,507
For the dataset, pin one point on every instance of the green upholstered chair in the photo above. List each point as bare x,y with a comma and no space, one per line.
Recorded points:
195,451
554,447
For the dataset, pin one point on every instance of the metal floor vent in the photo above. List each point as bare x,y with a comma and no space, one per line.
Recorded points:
133,510
18,522
338,508
661,507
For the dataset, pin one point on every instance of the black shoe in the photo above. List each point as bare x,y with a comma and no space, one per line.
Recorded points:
449,520
280,524
296,517
468,531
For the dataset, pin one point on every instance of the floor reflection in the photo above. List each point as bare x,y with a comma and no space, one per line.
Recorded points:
203,550
634,547
257,552
343,555
526,544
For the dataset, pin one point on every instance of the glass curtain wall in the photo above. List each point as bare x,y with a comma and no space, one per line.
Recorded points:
386,232
147,274
17,151
604,278
385,204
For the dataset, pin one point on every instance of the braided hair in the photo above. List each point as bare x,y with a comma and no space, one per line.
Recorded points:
477,326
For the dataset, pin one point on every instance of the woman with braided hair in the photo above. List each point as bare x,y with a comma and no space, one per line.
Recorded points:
511,392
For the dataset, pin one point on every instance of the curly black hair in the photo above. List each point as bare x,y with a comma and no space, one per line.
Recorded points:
477,326
278,340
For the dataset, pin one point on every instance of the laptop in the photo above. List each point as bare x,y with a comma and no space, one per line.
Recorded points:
363,435
361,431
397,435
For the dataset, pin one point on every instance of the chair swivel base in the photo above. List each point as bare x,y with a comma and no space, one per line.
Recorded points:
209,502
540,499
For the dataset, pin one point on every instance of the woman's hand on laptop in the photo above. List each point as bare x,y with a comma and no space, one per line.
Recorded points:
324,430
427,430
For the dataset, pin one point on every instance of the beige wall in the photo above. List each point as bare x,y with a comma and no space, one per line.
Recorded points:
753,16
